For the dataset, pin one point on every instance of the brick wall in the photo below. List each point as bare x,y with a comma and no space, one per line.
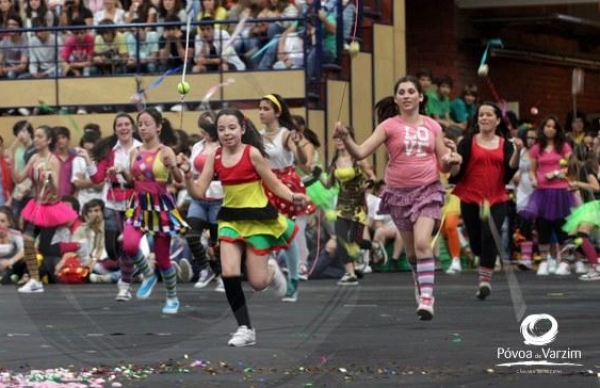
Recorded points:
444,39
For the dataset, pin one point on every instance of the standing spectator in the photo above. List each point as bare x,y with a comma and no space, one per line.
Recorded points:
43,52
5,177
86,189
22,151
170,11
489,163
6,9
414,194
77,54
33,9
214,10
14,53
110,153
142,11
575,126
65,155
329,43
142,46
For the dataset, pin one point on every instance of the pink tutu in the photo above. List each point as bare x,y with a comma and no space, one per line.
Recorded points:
48,215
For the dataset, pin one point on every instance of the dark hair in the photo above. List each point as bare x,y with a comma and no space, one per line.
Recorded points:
77,21
285,116
470,90
92,203
38,21
501,129
41,12
308,133
89,137
92,127
105,145
445,80
352,135
386,107
572,116
559,139
208,124
62,131
251,135
207,21
6,210
15,16
183,142
106,22
21,125
50,135
73,202
167,134
424,73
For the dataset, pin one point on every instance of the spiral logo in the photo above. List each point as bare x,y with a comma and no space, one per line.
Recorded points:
529,334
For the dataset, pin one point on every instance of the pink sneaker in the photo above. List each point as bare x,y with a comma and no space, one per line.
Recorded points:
425,309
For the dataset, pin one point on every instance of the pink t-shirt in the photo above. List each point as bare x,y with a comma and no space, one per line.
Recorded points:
411,150
548,162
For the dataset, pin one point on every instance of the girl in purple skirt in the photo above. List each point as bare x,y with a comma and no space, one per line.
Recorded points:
551,201
414,194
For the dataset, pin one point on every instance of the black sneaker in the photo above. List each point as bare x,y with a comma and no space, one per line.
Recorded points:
348,280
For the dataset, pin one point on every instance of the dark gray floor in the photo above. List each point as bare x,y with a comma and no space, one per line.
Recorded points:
367,336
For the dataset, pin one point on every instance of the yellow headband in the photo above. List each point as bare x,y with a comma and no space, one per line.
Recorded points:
274,100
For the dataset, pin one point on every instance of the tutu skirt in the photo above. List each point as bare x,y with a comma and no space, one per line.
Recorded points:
48,215
321,196
549,204
290,178
155,213
588,213
406,205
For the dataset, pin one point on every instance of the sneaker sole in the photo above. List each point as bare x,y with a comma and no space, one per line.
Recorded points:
242,345
37,291
348,284
483,293
425,315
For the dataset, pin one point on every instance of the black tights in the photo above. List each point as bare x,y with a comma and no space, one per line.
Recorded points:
481,240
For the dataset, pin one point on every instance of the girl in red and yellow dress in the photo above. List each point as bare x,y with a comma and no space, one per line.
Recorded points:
248,223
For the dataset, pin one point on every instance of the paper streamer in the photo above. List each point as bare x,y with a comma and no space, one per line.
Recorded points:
490,43
212,90
236,32
140,96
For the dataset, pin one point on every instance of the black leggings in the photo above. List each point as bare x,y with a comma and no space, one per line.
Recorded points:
545,229
347,232
481,240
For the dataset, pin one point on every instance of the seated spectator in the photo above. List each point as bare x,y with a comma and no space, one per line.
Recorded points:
289,51
170,11
383,228
142,46
213,9
43,53
75,11
348,19
462,109
14,50
172,45
142,11
77,54
11,248
209,54
438,103
110,12
33,10
86,189
110,50
5,175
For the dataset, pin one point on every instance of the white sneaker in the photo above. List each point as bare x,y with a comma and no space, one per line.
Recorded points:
32,286
186,270
455,267
242,337
425,309
24,111
123,291
206,275
563,269
543,269
580,267
279,282
368,269
591,276
81,111
220,287
178,108
552,265
96,278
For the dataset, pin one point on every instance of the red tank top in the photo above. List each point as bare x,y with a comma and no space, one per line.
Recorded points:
241,172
